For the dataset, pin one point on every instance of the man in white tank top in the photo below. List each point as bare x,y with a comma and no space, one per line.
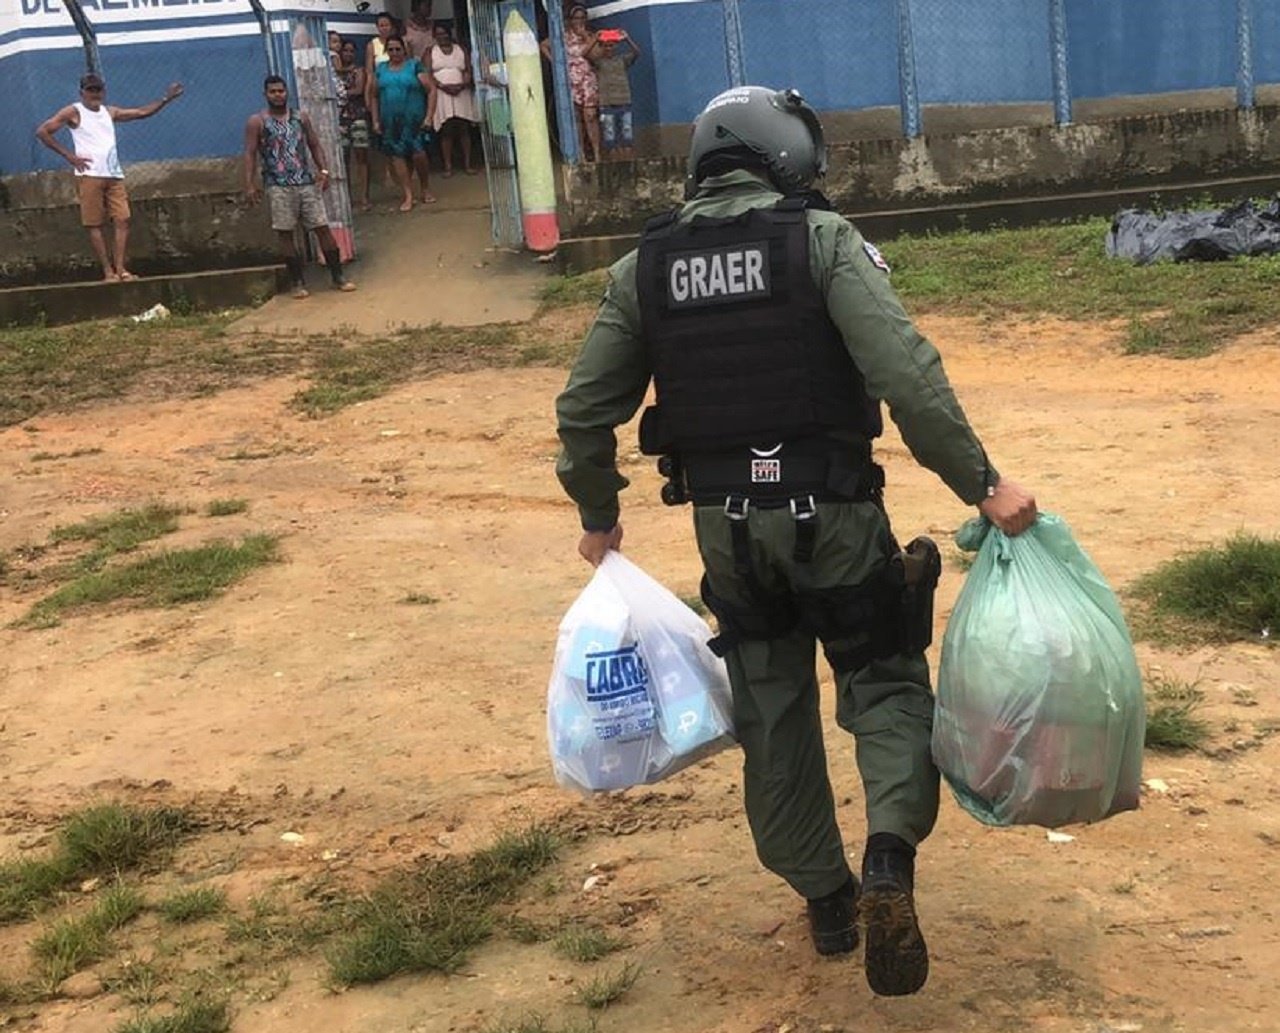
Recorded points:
99,177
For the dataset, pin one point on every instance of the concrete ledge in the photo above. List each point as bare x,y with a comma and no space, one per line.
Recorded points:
983,167
73,302
582,254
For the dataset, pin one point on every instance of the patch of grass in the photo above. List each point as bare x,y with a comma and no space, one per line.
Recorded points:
1223,593
523,930
166,579
608,988
586,943
47,457
346,375
429,919
191,1016
273,930
44,367
581,289
1179,309
419,599
226,507
17,993
193,905
1172,723
539,1024
71,944
94,842
138,981
118,532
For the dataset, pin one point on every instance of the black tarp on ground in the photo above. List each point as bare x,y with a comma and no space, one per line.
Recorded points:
1207,236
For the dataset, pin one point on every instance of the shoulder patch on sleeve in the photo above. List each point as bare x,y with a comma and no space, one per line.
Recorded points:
877,259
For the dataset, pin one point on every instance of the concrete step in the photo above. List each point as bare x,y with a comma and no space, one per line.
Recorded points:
187,292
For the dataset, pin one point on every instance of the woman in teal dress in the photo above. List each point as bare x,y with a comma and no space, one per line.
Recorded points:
403,104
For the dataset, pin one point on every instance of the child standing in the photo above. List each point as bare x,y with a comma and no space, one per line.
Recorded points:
617,140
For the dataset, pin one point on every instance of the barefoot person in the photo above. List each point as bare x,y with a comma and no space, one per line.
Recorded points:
402,108
276,146
99,177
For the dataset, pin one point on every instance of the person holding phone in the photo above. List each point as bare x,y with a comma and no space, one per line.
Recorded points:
612,62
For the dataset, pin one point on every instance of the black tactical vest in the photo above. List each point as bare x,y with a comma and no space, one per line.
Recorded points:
741,346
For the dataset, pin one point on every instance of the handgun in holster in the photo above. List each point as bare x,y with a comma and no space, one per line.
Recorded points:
676,491
920,567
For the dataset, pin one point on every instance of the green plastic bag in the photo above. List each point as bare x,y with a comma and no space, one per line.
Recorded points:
1040,717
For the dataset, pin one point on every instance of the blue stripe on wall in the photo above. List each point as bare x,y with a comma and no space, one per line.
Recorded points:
1266,42
850,62
687,58
1157,46
223,80
982,51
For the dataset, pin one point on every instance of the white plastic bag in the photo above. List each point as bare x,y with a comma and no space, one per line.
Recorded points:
635,694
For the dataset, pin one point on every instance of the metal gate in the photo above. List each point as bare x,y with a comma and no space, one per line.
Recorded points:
489,63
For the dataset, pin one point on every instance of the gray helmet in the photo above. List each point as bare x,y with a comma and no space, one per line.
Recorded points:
774,130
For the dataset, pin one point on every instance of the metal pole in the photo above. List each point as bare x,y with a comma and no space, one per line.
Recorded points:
908,91
264,24
1245,97
733,43
1058,52
87,33
565,115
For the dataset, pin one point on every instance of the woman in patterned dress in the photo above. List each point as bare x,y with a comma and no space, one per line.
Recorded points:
580,45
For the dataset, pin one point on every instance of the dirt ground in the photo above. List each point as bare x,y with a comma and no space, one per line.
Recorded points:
310,698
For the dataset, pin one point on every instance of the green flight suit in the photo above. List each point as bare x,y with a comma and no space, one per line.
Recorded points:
887,705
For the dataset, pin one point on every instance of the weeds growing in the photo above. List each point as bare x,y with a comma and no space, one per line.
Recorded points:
608,988
165,579
430,918
226,507
118,532
1172,723
539,1024
192,905
70,944
191,1016
1223,593
95,842
586,943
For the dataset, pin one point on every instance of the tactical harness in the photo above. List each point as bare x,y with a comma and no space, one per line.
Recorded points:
743,352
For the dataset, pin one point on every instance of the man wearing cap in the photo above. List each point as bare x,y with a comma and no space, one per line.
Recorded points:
99,177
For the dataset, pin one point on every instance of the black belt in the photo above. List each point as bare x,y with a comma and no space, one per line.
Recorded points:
773,482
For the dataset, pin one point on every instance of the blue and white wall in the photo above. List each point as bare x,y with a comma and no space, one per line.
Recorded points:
844,54
214,47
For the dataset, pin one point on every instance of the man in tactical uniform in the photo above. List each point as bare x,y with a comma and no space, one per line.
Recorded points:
771,334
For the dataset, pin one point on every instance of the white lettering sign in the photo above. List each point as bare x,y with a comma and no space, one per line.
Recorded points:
734,273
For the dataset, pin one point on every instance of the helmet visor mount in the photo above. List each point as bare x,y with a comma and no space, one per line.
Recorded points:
756,128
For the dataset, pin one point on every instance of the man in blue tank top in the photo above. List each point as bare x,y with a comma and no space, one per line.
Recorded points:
278,146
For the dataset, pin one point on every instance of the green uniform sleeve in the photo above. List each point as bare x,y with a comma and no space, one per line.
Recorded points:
606,386
900,366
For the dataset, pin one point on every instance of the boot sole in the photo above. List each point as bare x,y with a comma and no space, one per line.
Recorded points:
897,959
843,942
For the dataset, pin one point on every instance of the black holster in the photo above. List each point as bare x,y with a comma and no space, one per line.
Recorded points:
890,614
921,567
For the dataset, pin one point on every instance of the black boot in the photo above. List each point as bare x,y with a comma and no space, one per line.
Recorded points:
833,920
897,960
